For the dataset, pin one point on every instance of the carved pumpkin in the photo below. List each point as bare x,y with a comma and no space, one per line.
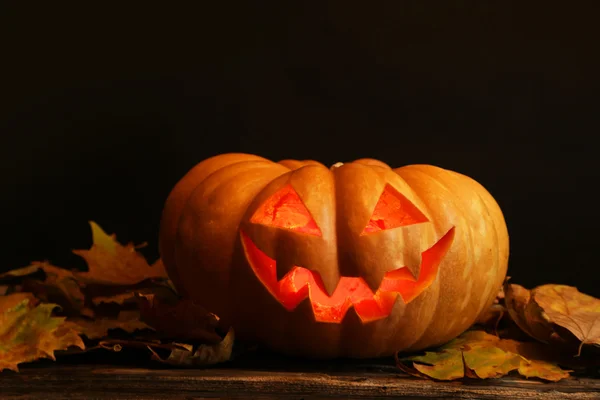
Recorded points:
359,260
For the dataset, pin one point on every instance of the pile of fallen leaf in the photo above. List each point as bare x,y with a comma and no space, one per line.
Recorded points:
122,301
547,333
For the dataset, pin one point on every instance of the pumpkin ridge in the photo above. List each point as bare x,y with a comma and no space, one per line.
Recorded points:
266,164
435,174
477,193
177,201
199,183
427,176
480,195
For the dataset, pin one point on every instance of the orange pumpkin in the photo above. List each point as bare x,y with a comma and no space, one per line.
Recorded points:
357,260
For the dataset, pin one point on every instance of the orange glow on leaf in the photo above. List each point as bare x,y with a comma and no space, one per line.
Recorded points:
286,210
393,210
300,283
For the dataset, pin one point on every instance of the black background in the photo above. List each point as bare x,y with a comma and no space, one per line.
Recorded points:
104,109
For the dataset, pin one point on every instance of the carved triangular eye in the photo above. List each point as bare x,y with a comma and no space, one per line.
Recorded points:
393,210
285,209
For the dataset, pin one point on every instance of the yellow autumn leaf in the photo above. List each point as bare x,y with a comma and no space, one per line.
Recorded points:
111,263
444,365
29,332
477,354
489,361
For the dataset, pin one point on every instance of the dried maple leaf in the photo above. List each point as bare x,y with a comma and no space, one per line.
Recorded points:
546,311
526,313
180,319
98,328
569,308
477,354
55,285
59,286
202,355
111,263
28,331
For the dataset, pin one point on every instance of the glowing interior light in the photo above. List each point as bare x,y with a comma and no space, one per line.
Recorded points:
393,210
286,210
300,283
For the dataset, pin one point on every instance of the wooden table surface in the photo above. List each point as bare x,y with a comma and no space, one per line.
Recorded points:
267,377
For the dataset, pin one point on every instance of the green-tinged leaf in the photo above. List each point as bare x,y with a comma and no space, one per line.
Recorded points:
477,354
29,332
445,365
490,362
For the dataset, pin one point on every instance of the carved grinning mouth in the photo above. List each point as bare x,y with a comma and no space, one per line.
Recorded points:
300,283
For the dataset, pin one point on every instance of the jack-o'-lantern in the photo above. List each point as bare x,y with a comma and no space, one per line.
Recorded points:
357,260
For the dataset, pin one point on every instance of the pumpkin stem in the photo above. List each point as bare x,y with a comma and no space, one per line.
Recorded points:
337,165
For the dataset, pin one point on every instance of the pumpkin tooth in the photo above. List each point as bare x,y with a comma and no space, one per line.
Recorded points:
352,317
374,279
283,267
413,264
331,279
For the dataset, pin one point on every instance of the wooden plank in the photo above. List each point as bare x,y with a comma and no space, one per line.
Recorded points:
53,381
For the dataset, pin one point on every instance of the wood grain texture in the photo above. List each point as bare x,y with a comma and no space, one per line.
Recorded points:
56,381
